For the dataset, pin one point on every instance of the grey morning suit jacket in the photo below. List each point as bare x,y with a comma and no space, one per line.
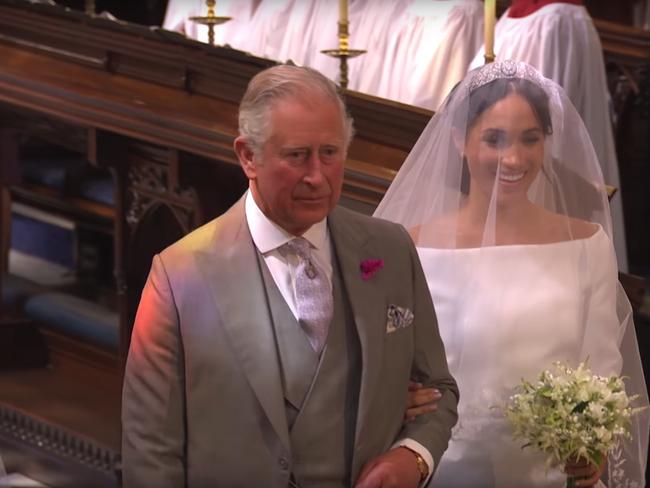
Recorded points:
203,401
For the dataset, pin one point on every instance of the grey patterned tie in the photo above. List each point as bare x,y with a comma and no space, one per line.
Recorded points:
313,295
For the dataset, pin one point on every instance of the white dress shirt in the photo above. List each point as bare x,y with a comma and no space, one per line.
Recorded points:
268,237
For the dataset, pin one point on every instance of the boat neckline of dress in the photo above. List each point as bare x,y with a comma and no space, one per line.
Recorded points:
598,231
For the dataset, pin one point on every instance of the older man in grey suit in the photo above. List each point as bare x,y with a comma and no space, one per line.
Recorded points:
273,346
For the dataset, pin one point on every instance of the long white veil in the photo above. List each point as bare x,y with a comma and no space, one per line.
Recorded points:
504,193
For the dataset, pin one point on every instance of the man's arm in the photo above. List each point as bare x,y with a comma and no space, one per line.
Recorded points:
431,431
153,408
396,468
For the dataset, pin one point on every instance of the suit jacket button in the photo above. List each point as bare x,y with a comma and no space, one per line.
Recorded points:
284,464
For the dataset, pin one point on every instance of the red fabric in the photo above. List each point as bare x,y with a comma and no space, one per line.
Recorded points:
521,8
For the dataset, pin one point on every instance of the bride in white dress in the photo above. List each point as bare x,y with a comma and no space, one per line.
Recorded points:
505,200
3,475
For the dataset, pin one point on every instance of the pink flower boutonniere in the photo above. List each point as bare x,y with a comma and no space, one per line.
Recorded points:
369,267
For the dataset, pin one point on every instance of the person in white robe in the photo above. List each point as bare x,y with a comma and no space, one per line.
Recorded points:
417,50
426,51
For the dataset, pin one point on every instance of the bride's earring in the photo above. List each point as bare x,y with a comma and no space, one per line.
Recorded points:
464,175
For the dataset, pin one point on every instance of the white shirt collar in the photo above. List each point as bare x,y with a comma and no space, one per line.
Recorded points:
268,236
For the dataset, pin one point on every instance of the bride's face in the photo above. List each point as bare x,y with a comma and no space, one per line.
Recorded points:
506,144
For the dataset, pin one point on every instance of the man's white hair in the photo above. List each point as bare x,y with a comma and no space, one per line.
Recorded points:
283,82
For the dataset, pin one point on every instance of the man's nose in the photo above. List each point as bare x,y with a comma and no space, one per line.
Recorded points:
314,170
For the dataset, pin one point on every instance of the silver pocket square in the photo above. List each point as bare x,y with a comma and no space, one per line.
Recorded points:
398,318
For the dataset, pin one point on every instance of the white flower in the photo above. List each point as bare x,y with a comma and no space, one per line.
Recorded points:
571,412
620,399
583,395
602,434
597,411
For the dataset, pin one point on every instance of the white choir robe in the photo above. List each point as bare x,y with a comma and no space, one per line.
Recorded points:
417,49
423,52
177,18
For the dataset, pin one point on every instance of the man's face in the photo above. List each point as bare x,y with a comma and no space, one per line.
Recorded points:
296,177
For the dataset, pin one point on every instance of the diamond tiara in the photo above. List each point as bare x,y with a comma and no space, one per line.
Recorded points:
505,69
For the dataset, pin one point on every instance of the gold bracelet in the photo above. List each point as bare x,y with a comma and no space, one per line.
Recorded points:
422,465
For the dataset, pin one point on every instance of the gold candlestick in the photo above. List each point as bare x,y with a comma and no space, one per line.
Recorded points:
343,52
211,20
90,7
490,10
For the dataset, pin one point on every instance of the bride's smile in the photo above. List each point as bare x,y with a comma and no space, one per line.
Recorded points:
512,178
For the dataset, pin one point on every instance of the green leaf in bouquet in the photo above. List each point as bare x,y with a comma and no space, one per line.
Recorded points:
580,407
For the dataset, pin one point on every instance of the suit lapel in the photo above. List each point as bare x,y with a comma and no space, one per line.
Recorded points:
368,302
232,272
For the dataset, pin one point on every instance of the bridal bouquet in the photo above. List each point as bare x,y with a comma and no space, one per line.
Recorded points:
571,414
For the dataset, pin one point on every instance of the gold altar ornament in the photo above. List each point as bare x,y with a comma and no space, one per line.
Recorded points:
611,191
90,7
490,17
343,53
211,19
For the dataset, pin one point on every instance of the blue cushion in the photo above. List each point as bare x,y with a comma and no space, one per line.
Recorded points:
75,316
16,290
44,240
51,171
98,189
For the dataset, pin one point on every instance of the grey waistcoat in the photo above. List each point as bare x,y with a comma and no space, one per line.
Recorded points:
321,394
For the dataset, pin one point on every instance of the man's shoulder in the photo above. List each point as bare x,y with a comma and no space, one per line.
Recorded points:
210,235
196,240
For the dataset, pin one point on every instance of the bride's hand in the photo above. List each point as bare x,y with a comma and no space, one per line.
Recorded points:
420,400
586,474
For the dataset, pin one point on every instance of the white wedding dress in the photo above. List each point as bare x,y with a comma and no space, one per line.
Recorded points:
507,313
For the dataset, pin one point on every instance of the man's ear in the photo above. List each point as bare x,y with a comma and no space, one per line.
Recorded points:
245,155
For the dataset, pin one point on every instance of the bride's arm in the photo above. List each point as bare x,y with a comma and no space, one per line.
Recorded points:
603,327
420,400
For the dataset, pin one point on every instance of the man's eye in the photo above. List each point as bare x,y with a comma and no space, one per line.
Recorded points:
328,153
296,156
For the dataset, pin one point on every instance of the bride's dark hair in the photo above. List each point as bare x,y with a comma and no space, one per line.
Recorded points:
485,96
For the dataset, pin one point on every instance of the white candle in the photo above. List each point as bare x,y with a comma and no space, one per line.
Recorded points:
490,20
343,11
